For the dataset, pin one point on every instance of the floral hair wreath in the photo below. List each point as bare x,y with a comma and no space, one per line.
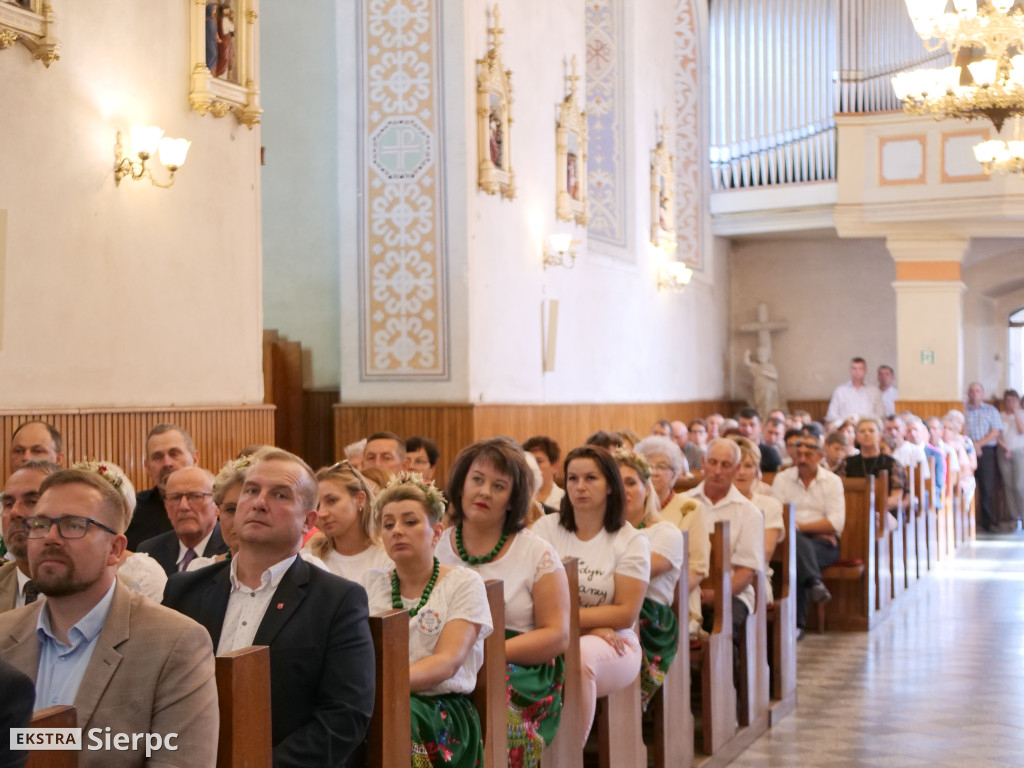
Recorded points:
635,460
242,462
109,472
435,498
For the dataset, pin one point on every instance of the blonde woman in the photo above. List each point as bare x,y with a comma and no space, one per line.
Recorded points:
659,630
747,480
348,541
227,487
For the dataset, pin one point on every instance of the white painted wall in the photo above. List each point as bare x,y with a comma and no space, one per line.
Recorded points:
132,295
302,179
837,297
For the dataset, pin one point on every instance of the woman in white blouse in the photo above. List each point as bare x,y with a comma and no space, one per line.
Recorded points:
748,477
491,486
449,617
348,541
659,629
614,567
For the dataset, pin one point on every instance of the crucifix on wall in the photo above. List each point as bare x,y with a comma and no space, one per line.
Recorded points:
766,377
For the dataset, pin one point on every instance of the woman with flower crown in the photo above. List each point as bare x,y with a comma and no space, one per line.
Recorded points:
614,568
348,541
227,487
659,630
491,487
449,618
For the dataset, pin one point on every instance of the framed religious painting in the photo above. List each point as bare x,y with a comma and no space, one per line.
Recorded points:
571,157
494,118
224,61
30,22
663,227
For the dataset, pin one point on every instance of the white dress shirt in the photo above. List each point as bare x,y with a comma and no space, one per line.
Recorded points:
247,606
823,499
850,402
889,398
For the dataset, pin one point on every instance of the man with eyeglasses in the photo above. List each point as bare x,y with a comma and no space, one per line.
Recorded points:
820,517
126,664
193,514
21,492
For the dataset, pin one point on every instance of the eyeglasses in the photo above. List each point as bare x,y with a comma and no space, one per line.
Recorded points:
806,446
662,467
69,526
194,497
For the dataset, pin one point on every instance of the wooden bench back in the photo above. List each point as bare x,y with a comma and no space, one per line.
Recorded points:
52,717
243,694
389,735
564,751
489,696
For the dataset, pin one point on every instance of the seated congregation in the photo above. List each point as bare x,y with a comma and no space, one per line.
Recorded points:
639,602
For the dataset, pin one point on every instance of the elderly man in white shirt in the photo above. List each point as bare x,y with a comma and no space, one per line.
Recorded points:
855,398
907,453
820,518
723,502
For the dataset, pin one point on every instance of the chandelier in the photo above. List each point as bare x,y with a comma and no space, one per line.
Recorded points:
985,35
1000,156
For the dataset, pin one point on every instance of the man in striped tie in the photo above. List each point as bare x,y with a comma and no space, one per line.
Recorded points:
20,494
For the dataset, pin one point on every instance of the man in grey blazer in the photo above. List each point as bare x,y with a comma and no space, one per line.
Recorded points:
124,662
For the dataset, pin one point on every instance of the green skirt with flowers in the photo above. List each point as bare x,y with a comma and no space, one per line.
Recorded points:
445,732
534,695
659,639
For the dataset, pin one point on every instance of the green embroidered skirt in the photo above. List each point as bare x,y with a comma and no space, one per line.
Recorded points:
534,708
445,732
659,638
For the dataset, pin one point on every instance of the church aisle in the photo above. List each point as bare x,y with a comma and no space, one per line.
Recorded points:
940,683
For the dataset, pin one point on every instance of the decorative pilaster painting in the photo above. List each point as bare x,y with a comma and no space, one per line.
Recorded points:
30,22
494,117
571,156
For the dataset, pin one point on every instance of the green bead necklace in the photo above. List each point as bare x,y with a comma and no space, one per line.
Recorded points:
473,559
396,589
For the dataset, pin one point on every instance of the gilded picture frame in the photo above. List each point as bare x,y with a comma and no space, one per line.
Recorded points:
224,59
30,22
663,227
494,118
571,157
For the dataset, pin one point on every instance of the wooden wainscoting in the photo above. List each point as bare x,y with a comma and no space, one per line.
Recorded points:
455,426
928,408
119,434
817,408
318,426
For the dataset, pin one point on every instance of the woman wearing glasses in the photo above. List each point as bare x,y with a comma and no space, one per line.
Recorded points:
491,486
227,487
614,567
348,542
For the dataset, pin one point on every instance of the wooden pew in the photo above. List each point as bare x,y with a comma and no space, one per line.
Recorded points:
897,541
853,579
243,694
909,536
782,623
718,693
388,738
752,686
489,696
930,518
52,717
919,516
672,746
565,751
619,731
883,545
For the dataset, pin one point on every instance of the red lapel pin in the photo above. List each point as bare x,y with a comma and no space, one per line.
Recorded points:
280,606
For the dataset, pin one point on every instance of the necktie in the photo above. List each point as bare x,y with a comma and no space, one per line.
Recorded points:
190,555
31,592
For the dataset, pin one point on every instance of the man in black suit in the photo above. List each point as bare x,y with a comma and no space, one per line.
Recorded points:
321,654
750,428
19,696
168,448
193,514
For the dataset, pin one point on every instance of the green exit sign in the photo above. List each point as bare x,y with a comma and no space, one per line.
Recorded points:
927,357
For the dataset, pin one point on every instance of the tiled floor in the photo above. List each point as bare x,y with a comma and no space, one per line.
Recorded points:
940,683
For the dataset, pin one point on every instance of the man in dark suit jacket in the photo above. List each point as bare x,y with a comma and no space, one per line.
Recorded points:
193,513
15,710
321,654
168,448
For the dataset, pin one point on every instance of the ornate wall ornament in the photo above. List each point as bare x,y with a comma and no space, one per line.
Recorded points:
571,157
224,60
494,118
663,227
403,317
690,157
32,24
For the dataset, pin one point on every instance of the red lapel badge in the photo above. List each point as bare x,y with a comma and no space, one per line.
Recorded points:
280,606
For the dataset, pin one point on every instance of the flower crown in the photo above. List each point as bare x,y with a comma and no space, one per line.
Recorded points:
635,460
435,498
242,462
109,472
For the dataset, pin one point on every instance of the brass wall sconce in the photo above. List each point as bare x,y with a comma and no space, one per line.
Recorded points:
674,275
558,253
147,141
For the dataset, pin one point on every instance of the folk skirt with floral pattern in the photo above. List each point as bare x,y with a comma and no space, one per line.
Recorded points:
534,695
445,732
659,639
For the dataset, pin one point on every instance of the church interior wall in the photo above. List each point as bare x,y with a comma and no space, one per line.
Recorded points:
994,275
305,179
837,297
129,295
